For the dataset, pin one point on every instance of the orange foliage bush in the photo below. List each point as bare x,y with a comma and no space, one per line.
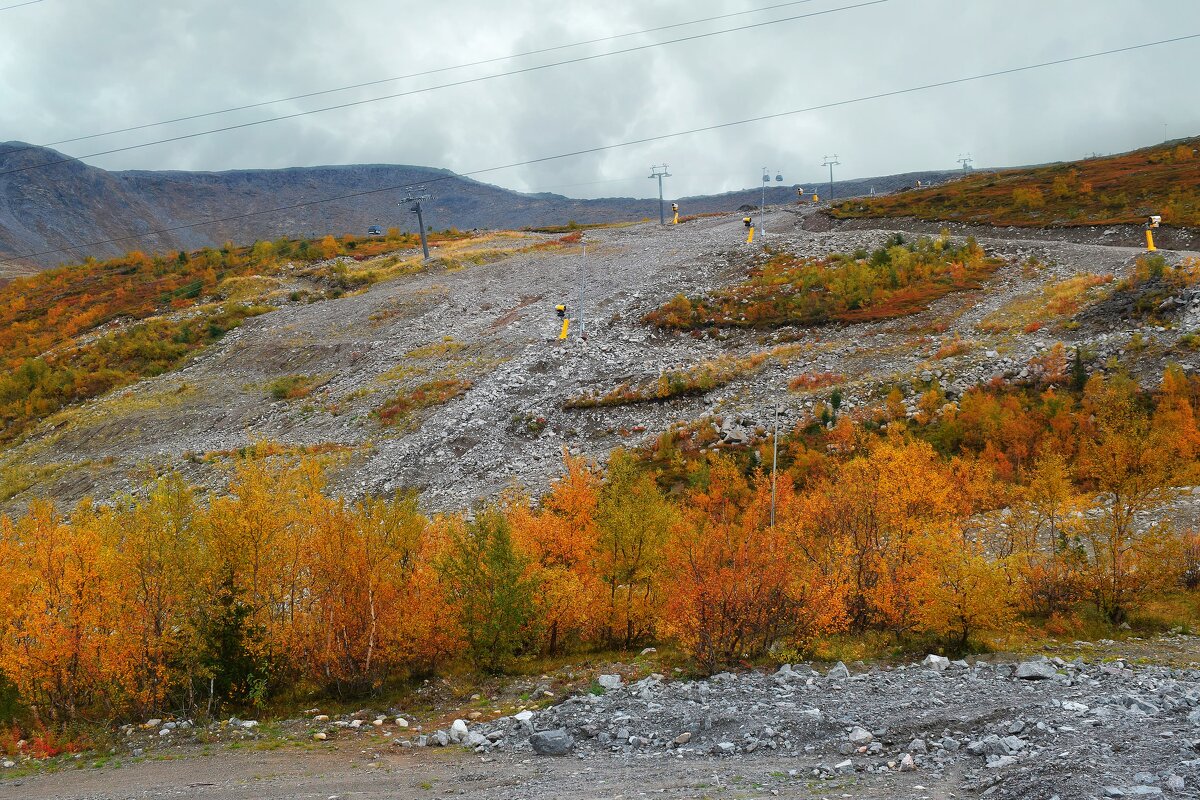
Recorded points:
161,602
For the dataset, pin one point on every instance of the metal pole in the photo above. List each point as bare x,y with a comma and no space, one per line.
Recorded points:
774,461
762,210
831,163
582,284
421,229
662,220
660,172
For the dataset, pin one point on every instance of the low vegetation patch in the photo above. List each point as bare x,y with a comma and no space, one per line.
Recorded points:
1053,302
1124,188
425,395
812,381
700,379
38,387
898,279
294,387
73,333
954,346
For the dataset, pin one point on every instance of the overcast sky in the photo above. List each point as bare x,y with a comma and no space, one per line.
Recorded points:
74,67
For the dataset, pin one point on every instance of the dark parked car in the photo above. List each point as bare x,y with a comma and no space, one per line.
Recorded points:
375,230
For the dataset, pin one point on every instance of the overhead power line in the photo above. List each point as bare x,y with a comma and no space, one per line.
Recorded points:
464,82
421,74
630,143
18,5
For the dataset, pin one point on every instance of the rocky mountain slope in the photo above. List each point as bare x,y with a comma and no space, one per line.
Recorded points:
485,336
71,203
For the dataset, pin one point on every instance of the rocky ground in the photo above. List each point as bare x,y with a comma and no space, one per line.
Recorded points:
493,324
1078,722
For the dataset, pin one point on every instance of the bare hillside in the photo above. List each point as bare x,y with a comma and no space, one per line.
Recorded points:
469,356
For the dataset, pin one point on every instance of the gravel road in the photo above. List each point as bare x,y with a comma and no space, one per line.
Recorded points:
1081,724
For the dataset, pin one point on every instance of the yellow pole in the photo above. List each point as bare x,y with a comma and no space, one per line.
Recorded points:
566,324
1150,248
750,237
676,220
815,198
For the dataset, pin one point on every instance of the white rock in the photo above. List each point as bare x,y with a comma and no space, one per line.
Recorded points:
936,663
860,736
610,681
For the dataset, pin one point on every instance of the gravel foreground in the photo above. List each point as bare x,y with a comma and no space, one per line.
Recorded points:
1040,728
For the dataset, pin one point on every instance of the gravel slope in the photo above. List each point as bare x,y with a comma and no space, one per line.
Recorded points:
510,427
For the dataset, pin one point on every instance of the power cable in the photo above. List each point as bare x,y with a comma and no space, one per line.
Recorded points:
464,82
410,75
18,5
630,143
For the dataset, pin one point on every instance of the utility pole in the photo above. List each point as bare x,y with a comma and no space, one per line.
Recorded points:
660,172
965,161
831,163
416,209
582,284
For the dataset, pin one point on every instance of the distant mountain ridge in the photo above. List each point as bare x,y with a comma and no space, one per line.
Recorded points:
72,203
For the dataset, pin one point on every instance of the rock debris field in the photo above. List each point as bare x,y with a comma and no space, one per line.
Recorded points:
1097,720
1037,728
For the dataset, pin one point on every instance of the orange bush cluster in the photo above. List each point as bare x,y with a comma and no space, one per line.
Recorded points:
811,381
162,602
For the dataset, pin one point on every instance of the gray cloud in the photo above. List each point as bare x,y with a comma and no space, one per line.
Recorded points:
72,67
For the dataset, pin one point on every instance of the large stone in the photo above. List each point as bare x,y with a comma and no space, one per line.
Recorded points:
458,731
552,743
839,672
860,736
1036,670
936,663
610,681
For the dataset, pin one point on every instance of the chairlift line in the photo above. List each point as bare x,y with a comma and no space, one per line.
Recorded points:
410,92
378,81
618,145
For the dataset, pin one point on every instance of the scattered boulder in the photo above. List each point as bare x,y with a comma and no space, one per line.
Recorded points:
838,672
860,736
1036,670
609,682
936,663
552,743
